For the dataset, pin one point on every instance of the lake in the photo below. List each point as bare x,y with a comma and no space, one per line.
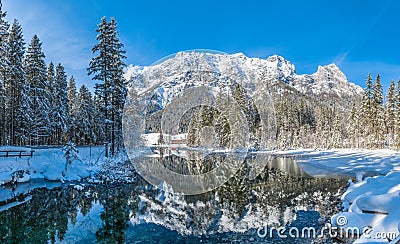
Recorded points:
239,211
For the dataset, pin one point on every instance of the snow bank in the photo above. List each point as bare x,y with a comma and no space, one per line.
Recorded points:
49,164
373,207
345,162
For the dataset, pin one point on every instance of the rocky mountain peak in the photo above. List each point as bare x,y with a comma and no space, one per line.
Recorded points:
330,77
171,75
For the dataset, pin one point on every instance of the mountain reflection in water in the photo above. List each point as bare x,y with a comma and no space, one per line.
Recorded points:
281,195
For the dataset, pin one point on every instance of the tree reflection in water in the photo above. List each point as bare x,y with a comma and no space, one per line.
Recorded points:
241,204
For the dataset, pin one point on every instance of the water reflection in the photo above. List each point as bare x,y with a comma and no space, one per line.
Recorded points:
197,172
116,213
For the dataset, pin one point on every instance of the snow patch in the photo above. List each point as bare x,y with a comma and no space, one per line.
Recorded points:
49,164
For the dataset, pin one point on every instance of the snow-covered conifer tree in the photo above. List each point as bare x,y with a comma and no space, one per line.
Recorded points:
366,113
61,106
51,97
70,154
72,102
17,111
107,67
99,120
391,107
85,117
36,76
378,115
397,123
4,25
353,127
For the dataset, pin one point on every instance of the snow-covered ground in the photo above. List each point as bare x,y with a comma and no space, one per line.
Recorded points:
372,205
345,162
49,164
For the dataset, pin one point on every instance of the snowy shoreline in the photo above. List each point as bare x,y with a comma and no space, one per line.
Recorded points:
49,164
371,202
372,207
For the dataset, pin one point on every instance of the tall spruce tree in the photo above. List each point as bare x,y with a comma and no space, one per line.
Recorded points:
391,108
51,96
397,124
85,117
107,67
72,101
118,88
36,76
367,113
61,106
18,101
378,113
4,25
352,127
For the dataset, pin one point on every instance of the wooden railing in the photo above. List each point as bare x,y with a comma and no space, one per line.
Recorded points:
16,153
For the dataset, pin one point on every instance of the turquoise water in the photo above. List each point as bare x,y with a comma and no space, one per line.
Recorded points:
282,195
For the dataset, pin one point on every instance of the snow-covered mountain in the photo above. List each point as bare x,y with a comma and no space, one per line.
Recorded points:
169,78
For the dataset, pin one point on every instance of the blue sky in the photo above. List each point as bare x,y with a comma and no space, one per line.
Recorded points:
360,36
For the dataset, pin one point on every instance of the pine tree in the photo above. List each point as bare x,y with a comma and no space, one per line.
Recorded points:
51,96
397,124
391,108
61,116
3,70
36,76
107,67
100,67
18,101
70,154
353,127
366,114
85,117
72,101
118,89
378,113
